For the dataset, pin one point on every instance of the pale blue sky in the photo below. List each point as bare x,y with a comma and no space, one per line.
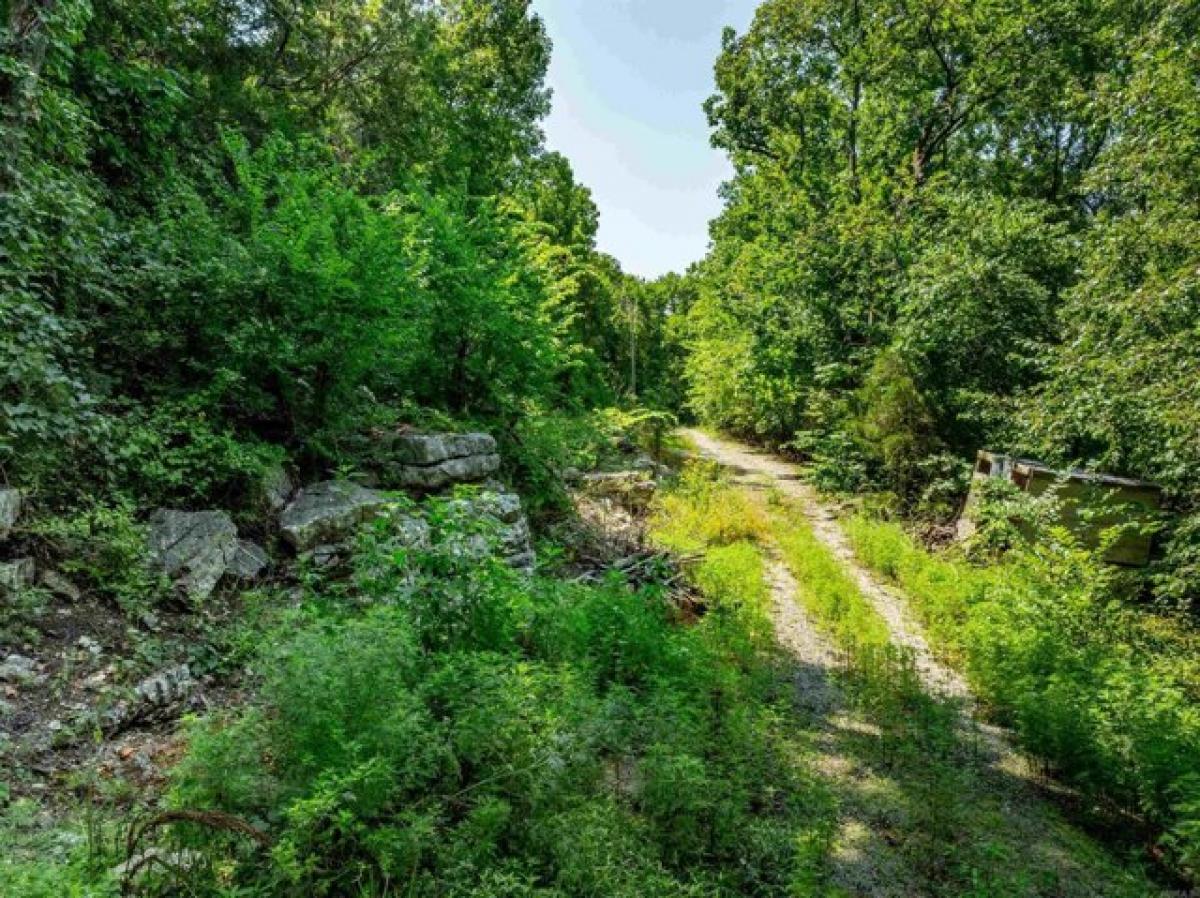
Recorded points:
629,79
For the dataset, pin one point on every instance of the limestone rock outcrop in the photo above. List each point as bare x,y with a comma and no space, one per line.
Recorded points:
329,512
193,548
431,461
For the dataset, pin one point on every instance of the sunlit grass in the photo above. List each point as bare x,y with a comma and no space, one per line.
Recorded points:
827,592
941,591
706,510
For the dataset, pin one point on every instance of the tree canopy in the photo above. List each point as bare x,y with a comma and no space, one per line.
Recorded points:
993,202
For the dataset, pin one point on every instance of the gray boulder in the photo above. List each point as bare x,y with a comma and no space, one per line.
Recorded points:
431,461
248,561
656,469
19,669
492,522
454,470
434,448
323,556
329,513
57,584
154,698
165,687
10,510
193,548
16,575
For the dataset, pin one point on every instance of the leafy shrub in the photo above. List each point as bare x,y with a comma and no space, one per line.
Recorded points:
645,427
542,446
836,461
104,549
558,739
176,454
1103,692
895,426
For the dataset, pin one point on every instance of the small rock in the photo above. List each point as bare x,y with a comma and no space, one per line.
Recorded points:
18,669
99,679
323,556
154,697
329,513
89,645
10,510
249,560
16,575
192,548
56,584
170,685
648,464
150,621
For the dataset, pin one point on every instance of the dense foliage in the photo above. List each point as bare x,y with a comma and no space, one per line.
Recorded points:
228,230
433,725
236,236
958,225
1105,695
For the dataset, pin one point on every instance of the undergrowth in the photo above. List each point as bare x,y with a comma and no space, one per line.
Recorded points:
41,860
1102,692
467,731
827,591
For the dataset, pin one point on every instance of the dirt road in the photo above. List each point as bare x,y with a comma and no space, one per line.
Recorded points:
903,826
756,466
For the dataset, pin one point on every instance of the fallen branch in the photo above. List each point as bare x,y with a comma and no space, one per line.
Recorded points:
209,819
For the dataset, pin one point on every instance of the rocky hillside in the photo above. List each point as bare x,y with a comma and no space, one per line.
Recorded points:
88,688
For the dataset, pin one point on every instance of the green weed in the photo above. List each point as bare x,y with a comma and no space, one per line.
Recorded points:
479,733
827,592
706,510
1096,689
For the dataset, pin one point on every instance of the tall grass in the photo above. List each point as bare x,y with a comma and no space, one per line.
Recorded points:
828,593
706,510
1088,683
479,734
